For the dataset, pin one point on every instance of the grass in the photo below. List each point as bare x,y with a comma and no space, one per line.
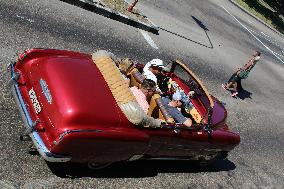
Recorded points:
264,13
121,7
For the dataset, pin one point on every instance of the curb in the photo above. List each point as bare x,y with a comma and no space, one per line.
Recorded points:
255,17
97,7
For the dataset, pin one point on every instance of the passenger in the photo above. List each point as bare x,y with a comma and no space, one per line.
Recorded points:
236,78
153,69
173,107
126,62
143,95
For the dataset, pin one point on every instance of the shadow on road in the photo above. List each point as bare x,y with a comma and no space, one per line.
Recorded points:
201,25
243,94
137,169
205,29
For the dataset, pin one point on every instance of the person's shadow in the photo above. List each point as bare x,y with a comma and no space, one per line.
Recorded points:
137,169
242,93
201,25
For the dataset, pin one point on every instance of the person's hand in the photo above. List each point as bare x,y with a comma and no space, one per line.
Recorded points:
158,91
163,121
191,93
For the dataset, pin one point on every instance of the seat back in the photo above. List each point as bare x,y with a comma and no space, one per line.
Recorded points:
153,110
136,78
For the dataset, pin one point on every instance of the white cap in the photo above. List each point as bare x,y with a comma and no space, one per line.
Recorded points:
157,63
177,96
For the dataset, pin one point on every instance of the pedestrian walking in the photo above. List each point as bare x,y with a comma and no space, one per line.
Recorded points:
234,83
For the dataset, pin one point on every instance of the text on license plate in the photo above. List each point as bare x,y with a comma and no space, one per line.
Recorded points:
34,100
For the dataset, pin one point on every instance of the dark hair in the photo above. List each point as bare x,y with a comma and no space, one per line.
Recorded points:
258,53
148,83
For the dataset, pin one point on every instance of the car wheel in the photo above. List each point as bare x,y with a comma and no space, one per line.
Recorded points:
97,166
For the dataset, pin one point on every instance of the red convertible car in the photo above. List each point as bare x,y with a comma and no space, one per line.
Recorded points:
78,107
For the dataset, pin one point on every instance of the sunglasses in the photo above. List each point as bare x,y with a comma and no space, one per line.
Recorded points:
150,90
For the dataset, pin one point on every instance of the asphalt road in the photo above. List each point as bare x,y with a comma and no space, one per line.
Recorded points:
213,38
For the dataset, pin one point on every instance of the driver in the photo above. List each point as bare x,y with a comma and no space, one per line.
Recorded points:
173,107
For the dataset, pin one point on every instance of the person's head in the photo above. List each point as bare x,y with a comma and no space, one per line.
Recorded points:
176,99
156,66
148,87
256,53
126,64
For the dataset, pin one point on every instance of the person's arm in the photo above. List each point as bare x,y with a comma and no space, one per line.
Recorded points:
249,64
188,122
179,118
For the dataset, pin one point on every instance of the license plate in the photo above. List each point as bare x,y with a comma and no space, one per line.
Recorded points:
34,100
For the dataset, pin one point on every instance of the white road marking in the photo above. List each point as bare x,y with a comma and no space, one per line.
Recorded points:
149,39
268,38
254,35
29,20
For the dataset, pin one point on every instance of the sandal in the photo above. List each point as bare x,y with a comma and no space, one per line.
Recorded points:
234,94
224,86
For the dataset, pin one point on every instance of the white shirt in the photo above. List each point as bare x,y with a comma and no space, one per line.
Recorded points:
148,74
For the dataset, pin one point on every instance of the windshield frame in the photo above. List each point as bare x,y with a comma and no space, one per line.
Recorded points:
209,109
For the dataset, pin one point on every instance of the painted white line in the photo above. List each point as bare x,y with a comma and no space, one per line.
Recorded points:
149,39
262,35
253,35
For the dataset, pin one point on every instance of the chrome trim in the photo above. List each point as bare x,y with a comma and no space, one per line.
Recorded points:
76,131
40,146
29,130
62,135
13,79
135,157
45,90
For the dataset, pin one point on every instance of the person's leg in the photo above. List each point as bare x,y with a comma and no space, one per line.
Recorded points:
239,85
224,85
229,85
234,86
234,90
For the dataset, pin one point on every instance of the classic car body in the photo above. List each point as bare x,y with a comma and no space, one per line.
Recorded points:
72,114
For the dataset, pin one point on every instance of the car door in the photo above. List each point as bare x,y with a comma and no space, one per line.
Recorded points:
160,141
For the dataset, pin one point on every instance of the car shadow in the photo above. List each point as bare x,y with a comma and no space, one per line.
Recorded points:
201,25
137,169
